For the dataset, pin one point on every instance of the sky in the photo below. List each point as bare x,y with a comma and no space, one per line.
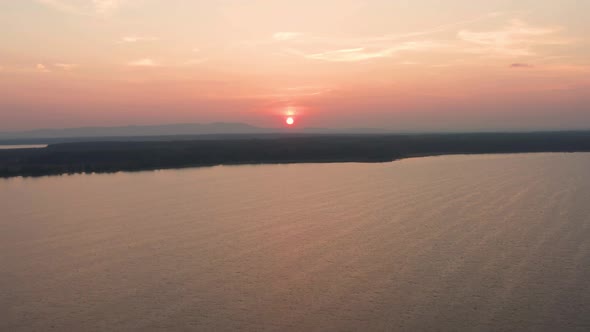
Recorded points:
421,65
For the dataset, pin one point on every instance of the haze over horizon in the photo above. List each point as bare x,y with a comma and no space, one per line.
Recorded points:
231,128
400,66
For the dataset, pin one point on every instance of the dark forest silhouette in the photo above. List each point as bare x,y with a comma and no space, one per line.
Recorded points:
112,156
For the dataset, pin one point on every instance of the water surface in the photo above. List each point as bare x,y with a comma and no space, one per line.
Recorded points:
496,242
22,146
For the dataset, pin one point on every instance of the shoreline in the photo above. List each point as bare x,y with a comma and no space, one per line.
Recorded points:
278,163
111,157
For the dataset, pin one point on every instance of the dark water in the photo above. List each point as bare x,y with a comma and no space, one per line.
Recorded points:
499,242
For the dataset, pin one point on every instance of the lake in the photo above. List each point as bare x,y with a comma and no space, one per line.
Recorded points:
487,242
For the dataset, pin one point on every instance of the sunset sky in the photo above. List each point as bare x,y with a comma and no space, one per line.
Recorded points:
399,65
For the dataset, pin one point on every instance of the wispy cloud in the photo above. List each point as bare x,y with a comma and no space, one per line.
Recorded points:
344,43
106,6
146,62
302,91
66,66
373,47
84,7
349,54
363,53
62,6
516,39
282,36
42,68
137,39
427,32
521,65
290,94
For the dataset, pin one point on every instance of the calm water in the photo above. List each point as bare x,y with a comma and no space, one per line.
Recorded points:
22,146
498,242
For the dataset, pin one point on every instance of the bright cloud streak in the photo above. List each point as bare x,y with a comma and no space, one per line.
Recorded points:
84,7
146,62
66,66
106,6
282,36
516,39
137,39
42,68
362,54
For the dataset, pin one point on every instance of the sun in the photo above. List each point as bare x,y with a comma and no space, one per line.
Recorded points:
289,121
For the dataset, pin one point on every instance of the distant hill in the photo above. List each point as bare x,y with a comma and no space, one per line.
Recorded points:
132,131
180,131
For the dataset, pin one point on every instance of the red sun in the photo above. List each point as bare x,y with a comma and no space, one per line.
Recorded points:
289,121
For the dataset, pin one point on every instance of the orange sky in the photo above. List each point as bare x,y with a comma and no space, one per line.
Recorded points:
400,65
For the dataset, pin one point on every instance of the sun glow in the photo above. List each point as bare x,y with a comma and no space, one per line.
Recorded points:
289,121
290,111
